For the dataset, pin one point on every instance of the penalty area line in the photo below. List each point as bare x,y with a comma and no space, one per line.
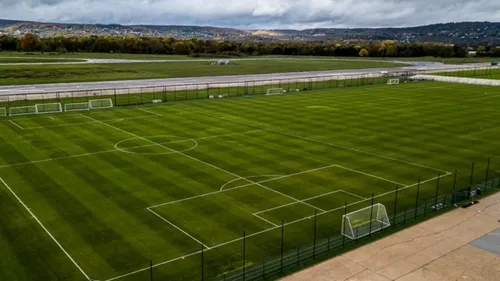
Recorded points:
47,231
15,124
276,227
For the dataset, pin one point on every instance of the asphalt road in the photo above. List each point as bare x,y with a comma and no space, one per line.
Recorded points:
106,85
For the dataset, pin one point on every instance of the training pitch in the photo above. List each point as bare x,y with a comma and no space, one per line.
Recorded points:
99,194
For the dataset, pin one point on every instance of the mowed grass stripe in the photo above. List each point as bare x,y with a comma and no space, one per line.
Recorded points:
138,227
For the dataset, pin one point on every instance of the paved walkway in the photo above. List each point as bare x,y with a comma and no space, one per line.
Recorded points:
435,250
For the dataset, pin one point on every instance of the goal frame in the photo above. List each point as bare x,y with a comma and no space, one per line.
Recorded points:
72,105
110,103
393,81
3,111
40,105
274,91
23,113
376,222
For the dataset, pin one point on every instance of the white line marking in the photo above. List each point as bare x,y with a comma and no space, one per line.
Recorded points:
241,186
250,177
352,194
203,162
486,97
318,141
54,159
40,223
178,228
265,219
370,175
17,125
151,112
52,118
91,153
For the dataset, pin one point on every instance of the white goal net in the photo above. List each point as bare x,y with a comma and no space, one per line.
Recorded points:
77,106
3,111
364,221
102,103
275,91
46,108
22,110
393,82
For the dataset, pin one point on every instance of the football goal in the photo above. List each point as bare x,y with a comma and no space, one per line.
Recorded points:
22,110
364,221
77,106
393,82
3,111
275,91
102,103
45,108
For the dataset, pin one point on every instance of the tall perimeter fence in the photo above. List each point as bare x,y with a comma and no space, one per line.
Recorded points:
169,93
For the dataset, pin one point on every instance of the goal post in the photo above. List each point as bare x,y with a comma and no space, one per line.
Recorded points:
3,111
365,221
22,110
393,81
76,106
274,91
46,108
100,103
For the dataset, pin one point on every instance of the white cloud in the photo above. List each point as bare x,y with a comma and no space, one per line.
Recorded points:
254,13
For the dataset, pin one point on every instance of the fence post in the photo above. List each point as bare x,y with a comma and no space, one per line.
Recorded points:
244,253
282,243
395,207
486,179
416,200
263,269
151,270
454,187
202,263
343,227
437,193
371,215
471,178
314,239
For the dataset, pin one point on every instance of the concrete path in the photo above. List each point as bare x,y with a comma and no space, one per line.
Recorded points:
435,250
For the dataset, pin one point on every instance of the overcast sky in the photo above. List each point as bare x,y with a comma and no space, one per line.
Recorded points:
254,14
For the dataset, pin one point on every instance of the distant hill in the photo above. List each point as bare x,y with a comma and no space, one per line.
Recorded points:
470,33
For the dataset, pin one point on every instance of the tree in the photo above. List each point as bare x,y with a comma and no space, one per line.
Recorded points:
481,51
363,53
30,42
182,48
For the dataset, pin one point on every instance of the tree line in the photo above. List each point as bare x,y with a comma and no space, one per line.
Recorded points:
197,47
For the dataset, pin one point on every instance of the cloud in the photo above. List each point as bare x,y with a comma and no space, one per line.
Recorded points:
298,14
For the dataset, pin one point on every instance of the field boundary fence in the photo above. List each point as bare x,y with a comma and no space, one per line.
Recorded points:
400,218
171,93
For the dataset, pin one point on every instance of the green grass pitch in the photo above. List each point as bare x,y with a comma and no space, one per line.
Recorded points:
99,194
